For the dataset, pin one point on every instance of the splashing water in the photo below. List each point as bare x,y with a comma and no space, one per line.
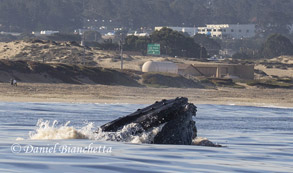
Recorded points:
45,130
132,133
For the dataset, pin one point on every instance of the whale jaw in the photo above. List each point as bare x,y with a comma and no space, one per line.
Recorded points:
174,115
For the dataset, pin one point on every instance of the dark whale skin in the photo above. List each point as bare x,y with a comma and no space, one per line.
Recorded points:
176,114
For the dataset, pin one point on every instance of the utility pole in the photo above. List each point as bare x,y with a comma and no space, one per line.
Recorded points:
83,59
83,36
121,50
200,53
83,45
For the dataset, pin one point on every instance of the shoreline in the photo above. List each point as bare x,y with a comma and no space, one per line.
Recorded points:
70,93
252,104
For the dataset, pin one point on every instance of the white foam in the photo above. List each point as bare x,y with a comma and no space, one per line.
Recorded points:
45,130
19,139
204,142
128,134
197,140
51,131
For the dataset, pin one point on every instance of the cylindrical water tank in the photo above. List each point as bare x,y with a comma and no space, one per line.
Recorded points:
164,67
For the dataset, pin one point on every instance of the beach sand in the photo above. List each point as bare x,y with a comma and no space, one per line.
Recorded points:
38,92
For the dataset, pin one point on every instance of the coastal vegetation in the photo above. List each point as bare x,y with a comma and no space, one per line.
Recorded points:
172,43
286,83
211,45
273,46
277,45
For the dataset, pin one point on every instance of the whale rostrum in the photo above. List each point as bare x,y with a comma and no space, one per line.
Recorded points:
175,115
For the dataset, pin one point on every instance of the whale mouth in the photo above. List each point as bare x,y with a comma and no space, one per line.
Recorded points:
165,122
130,133
46,130
170,119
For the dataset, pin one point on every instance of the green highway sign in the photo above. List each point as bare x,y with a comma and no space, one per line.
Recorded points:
154,49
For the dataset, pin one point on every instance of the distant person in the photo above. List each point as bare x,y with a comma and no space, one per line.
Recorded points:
13,82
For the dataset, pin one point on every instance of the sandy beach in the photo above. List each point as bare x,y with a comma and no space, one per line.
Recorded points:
37,92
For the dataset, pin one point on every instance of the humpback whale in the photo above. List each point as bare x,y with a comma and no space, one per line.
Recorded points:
174,115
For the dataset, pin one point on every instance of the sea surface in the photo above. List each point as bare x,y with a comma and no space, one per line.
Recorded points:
59,137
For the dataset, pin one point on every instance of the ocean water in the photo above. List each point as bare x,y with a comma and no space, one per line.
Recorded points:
58,137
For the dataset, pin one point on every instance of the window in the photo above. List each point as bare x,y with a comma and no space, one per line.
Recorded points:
215,30
219,30
209,30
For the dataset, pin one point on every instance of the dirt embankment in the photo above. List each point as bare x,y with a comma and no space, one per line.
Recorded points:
35,72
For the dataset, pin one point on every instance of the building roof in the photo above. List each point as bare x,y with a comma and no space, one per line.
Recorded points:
185,66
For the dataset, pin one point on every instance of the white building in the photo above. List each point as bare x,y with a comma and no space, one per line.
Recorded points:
139,34
191,31
10,33
163,67
48,32
236,31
